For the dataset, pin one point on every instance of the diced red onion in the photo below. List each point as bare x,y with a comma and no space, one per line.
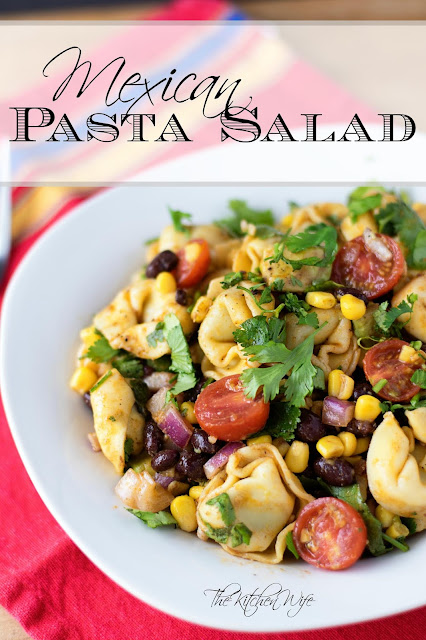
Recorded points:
173,424
163,480
156,404
337,413
158,380
377,246
219,460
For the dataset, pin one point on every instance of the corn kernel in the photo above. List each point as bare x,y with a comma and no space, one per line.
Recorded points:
297,457
320,299
187,409
281,445
260,440
367,408
410,435
384,516
340,385
409,354
287,221
349,443
89,336
397,529
352,307
165,282
330,447
196,491
200,309
192,251
351,230
83,380
183,510
362,445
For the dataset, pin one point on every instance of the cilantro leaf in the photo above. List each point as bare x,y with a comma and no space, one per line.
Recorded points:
154,520
282,421
160,364
290,544
269,378
397,218
317,235
385,318
181,357
156,336
362,200
241,211
129,366
419,378
141,393
220,535
300,308
226,509
177,217
235,277
101,350
128,449
319,380
240,534
411,524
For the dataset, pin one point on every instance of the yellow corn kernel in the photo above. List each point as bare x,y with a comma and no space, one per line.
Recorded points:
352,307
384,516
330,447
353,460
187,409
281,445
260,440
200,309
397,529
165,282
183,510
320,299
409,354
340,385
196,491
351,230
410,435
297,457
192,251
362,445
89,336
367,408
83,380
287,221
349,443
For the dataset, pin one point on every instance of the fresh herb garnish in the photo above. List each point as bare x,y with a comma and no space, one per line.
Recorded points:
419,378
177,217
235,277
241,211
385,318
301,309
181,358
318,235
362,200
154,520
259,330
101,381
141,393
398,218
128,449
101,350
290,544
282,421
379,385
240,534
226,510
129,366
156,336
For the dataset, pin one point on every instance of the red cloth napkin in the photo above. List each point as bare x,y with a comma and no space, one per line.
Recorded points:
56,593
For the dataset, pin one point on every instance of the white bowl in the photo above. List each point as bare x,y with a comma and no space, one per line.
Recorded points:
72,272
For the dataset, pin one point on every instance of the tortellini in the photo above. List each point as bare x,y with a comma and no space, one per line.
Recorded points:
116,418
266,497
133,315
339,348
302,217
395,476
223,356
416,325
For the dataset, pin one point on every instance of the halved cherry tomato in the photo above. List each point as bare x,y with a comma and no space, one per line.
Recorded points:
194,262
381,363
357,266
224,411
330,534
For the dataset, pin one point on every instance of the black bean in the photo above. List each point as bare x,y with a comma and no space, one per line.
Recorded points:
153,438
87,400
164,261
363,389
310,427
191,465
164,460
335,471
361,428
181,297
201,444
343,291
147,370
192,394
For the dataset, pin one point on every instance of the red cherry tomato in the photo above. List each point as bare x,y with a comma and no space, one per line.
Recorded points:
357,266
382,363
194,262
330,534
224,411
